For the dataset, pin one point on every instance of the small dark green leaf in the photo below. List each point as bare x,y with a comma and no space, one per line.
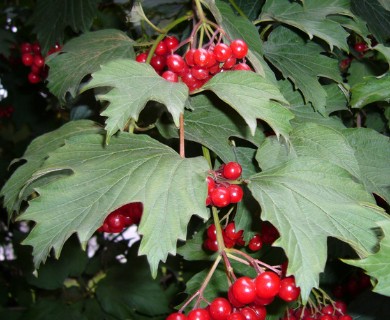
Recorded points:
51,18
84,55
302,63
371,89
253,97
133,85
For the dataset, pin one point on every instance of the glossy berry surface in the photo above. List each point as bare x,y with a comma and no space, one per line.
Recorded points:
220,309
176,63
239,48
288,290
198,314
255,244
360,47
232,170
220,197
267,284
231,231
243,290
222,52
236,193
176,316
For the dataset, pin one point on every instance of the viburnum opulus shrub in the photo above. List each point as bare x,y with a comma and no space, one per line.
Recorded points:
245,141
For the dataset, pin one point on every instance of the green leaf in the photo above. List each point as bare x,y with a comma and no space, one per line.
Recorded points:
133,85
253,97
385,51
307,199
14,189
377,265
6,40
371,89
213,125
238,27
84,55
132,168
251,8
302,63
377,18
311,18
51,18
305,113
372,152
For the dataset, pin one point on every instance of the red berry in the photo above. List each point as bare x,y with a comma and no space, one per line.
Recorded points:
141,57
36,48
242,66
200,73
360,47
340,307
158,62
170,76
201,57
191,82
171,42
210,184
161,49
327,309
229,63
220,196
39,61
220,309
34,78
222,52
27,59
212,232
26,47
345,317
261,311
176,63
198,314
244,290
233,299
115,221
255,244
211,245
267,284
239,48
236,193
326,317
189,57
232,170
249,314
288,290
231,231
229,243
263,301
235,316
176,316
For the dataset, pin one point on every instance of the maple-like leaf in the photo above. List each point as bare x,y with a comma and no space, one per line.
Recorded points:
132,85
377,265
51,18
371,89
311,18
303,63
309,200
84,55
103,178
253,97
17,188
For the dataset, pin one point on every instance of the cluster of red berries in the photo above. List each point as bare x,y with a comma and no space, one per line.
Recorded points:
122,218
335,311
32,57
361,48
6,111
198,65
247,299
232,237
220,192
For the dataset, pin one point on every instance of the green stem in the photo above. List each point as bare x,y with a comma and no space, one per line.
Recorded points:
206,154
200,11
221,243
204,285
238,9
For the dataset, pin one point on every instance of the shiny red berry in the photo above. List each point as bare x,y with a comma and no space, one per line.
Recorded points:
255,244
239,48
222,52
220,309
232,170
170,76
27,59
198,314
220,197
141,57
288,290
176,63
244,290
267,284
236,193
176,316
171,42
